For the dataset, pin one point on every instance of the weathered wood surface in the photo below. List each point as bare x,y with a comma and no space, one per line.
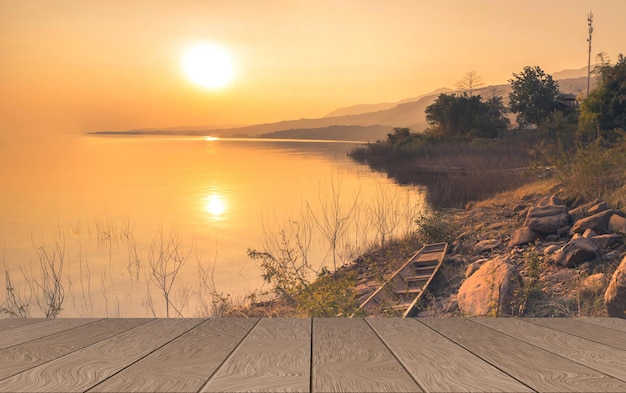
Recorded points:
30,332
613,323
604,358
433,359
348,356
313,355
597,333
274,357
540,369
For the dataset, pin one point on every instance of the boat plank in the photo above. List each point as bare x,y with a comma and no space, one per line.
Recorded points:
81,370
438,364
12,323
275,356
613,323
537,368
348,356
597,333
598,356
184,364
30,354
38,330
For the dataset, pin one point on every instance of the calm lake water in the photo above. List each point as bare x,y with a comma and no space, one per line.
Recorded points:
109,212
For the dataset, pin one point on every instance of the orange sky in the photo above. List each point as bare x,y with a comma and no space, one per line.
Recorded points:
75,66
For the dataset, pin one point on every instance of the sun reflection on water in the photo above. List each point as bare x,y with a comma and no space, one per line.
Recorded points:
215,205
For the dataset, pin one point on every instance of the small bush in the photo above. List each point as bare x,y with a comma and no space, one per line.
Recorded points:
331,295
589,171
436,227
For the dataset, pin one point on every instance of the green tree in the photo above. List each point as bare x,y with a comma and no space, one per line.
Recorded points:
605,108
466,116
534,97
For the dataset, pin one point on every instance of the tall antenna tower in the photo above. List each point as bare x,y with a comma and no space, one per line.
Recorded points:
590,24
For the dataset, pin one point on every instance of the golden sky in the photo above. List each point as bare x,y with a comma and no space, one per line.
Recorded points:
74,66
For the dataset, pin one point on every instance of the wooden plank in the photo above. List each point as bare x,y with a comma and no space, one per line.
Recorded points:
38,330
184,364
30,354
600,357
537,368
12,323
275,356
613,323
597,333
438,364
83,369
348,356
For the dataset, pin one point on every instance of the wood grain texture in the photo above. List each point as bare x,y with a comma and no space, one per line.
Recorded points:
38,330
348,356
11,323
30,354
274,357
600,357
83,369
438,364
537,368
597,333
613,323
184,364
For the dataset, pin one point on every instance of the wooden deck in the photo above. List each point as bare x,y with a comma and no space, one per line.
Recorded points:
313,355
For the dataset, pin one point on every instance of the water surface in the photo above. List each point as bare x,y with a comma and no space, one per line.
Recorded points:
109,206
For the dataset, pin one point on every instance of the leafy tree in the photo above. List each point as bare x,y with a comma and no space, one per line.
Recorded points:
470,82
467,116
605,108
534,96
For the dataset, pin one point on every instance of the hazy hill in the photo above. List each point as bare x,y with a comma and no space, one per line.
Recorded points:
346,133
351,123
570,74
366,108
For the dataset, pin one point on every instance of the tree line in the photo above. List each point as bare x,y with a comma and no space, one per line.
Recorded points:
535,99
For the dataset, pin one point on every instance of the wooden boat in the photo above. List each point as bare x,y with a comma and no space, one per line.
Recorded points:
401,293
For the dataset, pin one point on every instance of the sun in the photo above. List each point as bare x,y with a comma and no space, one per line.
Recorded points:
208,65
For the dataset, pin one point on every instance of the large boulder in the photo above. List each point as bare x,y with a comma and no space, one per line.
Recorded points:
545,220
577,251
494,289
615,295
598,223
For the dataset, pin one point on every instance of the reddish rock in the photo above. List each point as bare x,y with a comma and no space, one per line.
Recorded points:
608,241
617,223
521,236
494,289
598,208
615,295
545,220
576,251
598,222
486,245
583,210
593,283
551,200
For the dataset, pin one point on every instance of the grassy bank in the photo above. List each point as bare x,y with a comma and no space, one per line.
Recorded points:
454,172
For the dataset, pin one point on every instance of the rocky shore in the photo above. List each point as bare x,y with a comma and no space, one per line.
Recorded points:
523,253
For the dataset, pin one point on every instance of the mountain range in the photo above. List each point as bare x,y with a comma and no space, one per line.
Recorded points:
364,122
